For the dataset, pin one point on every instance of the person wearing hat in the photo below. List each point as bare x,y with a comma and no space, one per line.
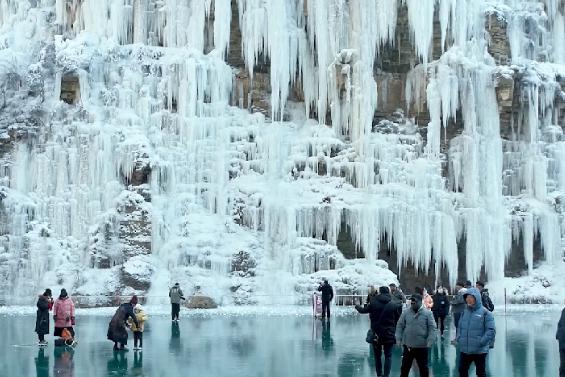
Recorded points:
44,304
138,329
475,335
176,295
117,327
64,314
415,333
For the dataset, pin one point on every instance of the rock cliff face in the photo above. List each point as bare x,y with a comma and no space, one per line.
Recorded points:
255,147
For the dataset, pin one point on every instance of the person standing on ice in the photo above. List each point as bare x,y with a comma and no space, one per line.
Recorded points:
44,304
384,314
440,308
415,333
327,296
560,336
475,335
458,304
64,314
117,327
397,294
427,300
485,298
176,295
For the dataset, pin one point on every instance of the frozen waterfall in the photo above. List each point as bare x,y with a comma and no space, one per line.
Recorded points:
253,147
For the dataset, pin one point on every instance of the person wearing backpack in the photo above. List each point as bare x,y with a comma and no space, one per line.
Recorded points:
384,313
476,334
485,298
64,314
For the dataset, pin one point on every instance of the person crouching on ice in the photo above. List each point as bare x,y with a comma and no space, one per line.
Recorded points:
139,327
116,328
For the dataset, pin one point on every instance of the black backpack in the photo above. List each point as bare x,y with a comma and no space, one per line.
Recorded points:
487,302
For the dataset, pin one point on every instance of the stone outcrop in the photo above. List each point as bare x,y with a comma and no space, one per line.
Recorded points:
201,302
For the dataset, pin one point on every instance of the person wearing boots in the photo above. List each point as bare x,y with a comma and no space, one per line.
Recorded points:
44,305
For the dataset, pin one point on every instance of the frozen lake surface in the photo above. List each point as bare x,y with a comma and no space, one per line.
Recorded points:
259,344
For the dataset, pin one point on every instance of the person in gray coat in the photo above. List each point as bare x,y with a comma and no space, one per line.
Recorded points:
458,304
176,296
475,335
415,332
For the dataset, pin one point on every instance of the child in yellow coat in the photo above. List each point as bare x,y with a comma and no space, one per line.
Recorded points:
138,330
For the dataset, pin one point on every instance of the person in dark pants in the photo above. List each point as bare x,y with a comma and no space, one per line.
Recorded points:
327,296
117,327
440,308
44,304
384,313
560,336
176,295
458,304
476,334
415,332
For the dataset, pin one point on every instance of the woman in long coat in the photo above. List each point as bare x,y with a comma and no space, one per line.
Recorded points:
44,304
117,328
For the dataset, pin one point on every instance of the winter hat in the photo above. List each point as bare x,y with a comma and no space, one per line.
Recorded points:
47,293
137,307
63,293
133,300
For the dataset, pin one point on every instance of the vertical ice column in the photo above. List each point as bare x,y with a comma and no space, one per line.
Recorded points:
559,39
421,19
222,20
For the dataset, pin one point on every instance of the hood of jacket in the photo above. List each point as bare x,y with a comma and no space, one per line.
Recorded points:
477,294
383,298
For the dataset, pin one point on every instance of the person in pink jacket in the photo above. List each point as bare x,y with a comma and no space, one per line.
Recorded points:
64,314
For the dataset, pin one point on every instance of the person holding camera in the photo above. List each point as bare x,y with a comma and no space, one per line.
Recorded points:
384,313
64,314
327,296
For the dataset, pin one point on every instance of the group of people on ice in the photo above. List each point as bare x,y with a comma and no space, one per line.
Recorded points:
128,315
63,314
414,326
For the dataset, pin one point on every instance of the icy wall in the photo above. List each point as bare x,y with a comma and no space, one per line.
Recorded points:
252,147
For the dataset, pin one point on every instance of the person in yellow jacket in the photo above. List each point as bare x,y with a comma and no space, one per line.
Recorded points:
138,329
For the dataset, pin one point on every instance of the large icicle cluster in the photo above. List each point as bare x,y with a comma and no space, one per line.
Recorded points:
149,172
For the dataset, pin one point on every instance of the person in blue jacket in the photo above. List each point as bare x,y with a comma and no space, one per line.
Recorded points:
476,334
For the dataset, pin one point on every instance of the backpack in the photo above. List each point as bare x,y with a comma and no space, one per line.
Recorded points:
487,302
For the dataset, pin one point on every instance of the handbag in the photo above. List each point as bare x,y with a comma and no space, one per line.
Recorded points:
373,337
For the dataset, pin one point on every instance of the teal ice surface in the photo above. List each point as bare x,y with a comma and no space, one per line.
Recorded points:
258,345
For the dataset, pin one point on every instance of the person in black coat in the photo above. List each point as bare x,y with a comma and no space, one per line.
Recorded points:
560,336
44,304
117,328
440,308
384,314
327,296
